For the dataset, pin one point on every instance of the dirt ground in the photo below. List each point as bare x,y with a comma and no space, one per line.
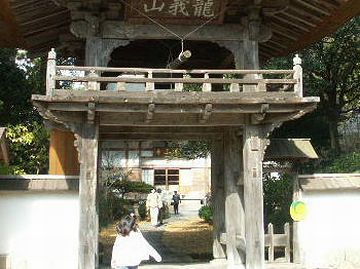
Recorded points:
190,237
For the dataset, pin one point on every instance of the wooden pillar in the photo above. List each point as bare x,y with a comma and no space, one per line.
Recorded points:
88,136
298,251
254,145
218,197
234,193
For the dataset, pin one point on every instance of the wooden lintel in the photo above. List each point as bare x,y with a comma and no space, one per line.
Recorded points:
180,98
176,109
158,136
123,30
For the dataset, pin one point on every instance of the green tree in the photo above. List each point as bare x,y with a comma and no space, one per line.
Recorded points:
28,147
189,149
15,93
331,71
332,68
29,140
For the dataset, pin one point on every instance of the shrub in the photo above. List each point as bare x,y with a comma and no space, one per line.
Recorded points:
206,213
125,186
112,205
347,163
142,209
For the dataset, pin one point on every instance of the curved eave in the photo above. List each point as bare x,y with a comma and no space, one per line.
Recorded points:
38,25
298,32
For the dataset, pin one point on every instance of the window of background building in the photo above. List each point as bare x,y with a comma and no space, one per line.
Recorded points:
166,177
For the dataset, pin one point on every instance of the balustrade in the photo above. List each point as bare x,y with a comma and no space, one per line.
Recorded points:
149,80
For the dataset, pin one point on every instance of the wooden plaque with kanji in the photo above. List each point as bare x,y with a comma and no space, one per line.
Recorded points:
175,11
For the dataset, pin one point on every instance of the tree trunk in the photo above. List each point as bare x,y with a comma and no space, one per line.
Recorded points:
334,136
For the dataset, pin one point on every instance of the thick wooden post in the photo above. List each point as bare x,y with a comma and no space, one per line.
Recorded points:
89,220
50,73
218,197
234,204
251,48
253,187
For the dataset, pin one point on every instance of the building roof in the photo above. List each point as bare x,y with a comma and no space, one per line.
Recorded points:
39,183
326,182
38,25
290,149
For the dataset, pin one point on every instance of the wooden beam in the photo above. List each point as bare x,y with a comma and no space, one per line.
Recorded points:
329,24
171,97
157,137
122,30
313,7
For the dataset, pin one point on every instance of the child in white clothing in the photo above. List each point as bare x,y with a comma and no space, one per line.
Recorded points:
130,247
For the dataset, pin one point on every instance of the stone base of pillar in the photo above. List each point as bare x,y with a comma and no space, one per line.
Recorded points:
223,263
237,266
219,261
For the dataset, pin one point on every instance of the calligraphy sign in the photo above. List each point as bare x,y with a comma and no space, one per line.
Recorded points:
175,11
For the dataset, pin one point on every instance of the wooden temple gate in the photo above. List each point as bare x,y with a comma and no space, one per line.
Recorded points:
237,120
234,109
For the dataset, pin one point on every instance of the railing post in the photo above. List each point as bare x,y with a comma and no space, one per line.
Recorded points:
271,248
179,87
150,86
298,75
93,85
206,87
287,247
51,72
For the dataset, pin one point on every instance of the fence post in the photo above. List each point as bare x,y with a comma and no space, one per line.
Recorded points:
51,72
150,86
287,247
93,85
271,242
298,75
206,87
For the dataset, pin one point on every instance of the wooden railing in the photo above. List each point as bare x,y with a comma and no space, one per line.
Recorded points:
273,241
145,79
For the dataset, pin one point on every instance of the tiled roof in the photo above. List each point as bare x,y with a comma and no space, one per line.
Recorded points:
290,149
324,182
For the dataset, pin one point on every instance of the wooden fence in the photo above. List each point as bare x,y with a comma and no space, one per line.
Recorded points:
273,241
146,79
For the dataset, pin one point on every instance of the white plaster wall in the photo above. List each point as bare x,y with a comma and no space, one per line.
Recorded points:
39,229
179,163
330,235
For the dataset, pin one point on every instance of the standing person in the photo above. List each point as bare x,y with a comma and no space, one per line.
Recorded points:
130,247
176,200
152,205
162,206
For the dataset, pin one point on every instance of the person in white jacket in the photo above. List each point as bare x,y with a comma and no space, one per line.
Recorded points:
153,203
130,247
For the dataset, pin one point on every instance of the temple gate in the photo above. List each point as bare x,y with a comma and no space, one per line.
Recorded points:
236,105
